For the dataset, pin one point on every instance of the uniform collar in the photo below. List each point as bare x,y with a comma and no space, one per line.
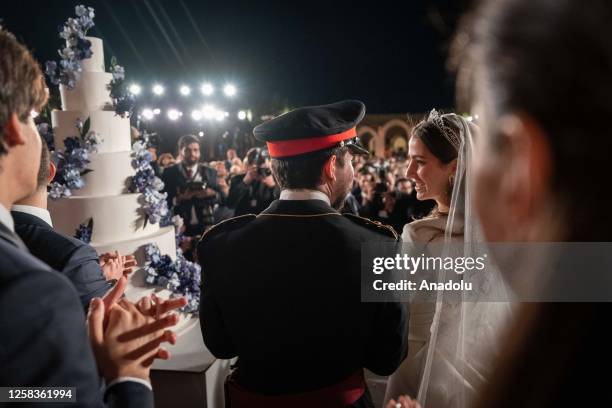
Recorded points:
37,212
6,219
299,207
304,194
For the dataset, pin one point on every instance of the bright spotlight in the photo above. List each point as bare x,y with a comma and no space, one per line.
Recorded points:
156,111
196,114
229,90
185,90
209,111
219,115
174,114
147,114
135,89
242,115
201,134
158,89
207,89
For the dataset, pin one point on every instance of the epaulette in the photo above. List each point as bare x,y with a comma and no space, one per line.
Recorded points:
227,225
373,225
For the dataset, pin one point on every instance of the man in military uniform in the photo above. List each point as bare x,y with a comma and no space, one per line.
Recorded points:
282,291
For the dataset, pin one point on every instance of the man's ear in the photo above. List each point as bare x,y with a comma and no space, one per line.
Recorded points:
52,171
329,169
13,135
529,164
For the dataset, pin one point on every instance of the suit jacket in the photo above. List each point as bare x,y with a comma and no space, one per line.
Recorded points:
70,256
282,291
250,199
44,342
174,179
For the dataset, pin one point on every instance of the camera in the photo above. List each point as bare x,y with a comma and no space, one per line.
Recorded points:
264,171
194,186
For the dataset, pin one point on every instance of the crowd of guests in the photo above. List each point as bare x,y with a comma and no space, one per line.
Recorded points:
214,191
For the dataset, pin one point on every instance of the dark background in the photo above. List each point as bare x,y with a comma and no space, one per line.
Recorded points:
279,54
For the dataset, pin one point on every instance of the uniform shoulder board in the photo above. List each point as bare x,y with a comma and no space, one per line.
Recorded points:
373,225
228,225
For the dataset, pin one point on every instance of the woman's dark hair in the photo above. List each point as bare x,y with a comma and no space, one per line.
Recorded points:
551,59
305,171
435,141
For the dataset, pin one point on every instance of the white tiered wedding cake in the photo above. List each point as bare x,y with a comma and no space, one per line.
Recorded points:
118,216
119,224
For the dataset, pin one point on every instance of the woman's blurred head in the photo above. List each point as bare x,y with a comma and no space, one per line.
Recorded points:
432,161
537,75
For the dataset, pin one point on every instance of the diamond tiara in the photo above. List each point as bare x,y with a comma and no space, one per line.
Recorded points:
448,133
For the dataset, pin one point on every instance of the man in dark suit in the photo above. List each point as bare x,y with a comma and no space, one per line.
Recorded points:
282,290
253,191
77,260
45,343
192,188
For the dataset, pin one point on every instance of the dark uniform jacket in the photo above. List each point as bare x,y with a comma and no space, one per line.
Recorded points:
175,180
282,291
72,257
44,340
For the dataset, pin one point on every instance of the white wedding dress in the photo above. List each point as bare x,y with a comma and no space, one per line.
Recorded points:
452,342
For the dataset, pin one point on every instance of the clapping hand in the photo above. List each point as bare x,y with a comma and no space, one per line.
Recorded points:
130,341
116,265
403,401
126,338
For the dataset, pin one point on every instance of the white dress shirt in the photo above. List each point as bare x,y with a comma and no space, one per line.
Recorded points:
41,213
6,219
304,194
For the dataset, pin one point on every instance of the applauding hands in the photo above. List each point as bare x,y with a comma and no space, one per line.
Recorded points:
114,266
125,337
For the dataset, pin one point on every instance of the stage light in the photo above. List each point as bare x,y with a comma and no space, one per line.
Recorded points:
229,90
156,111
208,111
201,134
219,115
185,90
174,114
158,89
147,114
135,89
242,115
196,114
207,89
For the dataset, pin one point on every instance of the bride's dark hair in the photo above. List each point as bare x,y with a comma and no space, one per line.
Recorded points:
433,138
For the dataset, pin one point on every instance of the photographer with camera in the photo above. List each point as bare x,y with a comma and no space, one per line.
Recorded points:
192,189
253,191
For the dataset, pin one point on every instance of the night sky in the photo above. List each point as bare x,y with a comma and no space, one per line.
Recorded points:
391,55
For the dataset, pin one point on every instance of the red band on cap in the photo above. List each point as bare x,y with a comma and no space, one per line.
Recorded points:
286,148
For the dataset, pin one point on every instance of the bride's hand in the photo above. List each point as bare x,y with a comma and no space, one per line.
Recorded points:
403,401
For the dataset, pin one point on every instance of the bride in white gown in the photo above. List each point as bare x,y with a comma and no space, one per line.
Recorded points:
450,341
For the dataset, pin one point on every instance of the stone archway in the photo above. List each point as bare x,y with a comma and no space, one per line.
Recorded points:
396,134
367,136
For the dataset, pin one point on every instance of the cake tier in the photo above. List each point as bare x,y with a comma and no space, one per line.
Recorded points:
114,129
90,92
116,218
109,176
96,62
